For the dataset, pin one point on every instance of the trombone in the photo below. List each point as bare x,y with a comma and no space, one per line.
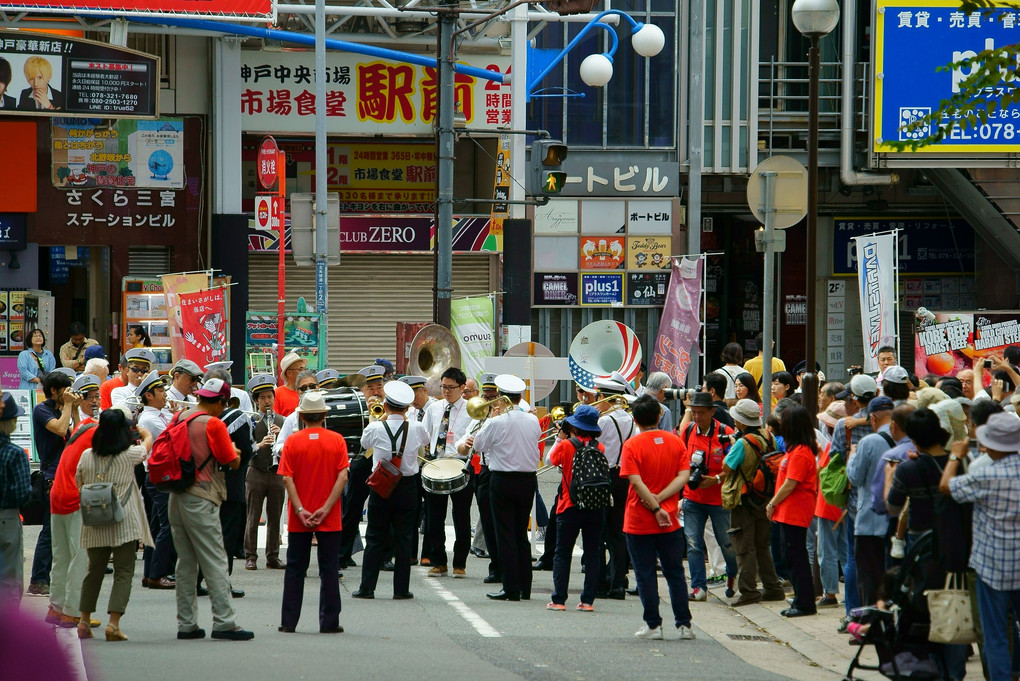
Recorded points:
478,407
557,414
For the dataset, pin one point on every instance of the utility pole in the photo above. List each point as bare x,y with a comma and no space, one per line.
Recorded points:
321,213
445,109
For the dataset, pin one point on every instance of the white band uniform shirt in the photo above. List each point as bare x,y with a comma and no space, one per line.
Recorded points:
290,424
376,439
610,438
418,415
119,396
459,422
472,430
153,420
511,442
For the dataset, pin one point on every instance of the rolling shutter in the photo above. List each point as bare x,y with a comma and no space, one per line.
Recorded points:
368,295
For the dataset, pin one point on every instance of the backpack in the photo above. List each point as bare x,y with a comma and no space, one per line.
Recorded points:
761,487
171,468
833,482
590,484
877,487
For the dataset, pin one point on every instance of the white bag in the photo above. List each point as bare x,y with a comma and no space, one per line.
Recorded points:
952,612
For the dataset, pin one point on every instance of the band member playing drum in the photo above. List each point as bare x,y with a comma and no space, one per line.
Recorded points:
447,421
511,445
399,512
416,412
356,493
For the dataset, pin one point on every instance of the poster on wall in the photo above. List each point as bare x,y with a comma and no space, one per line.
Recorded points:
602,289
648,252
603,252
301,334
92,152
648,288
555,289
949,342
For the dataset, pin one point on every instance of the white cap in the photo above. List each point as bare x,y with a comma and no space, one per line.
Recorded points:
398,394
220,365
150,381
143,355
373,372
508,384
895,374
610,385
85,383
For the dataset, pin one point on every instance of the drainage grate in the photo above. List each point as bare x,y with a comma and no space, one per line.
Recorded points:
749,637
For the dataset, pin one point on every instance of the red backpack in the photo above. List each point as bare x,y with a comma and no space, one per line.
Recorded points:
171,467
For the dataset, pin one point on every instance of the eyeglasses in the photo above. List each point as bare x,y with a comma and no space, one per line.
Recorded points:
136,370
447,388
306,388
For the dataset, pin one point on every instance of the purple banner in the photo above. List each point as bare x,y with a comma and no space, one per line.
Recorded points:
680,325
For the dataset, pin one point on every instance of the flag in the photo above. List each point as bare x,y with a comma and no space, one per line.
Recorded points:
204,324
472,322
876,283
173,286
680,325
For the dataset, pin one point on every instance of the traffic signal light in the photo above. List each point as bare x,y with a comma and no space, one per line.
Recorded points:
548,176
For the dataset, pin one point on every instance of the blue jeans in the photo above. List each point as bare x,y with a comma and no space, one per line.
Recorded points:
994,609
669,548
831,553
851,599
695,515
541,513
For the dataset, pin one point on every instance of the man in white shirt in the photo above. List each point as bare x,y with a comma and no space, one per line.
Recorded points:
184,382
158,560
398,513
511,445
139,363
447,421
416,412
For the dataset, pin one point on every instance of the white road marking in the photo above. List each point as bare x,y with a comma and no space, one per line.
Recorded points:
68,640
469,615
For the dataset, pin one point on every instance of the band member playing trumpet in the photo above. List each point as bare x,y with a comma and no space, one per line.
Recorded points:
398,514
139,364
183,383
511,444
262,486
356,493
158,560
447,421
617,426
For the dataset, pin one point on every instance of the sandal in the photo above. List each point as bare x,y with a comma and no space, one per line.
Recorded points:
84,630
114,633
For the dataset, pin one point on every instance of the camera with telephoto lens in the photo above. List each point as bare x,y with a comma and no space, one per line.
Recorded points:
680,393
699,469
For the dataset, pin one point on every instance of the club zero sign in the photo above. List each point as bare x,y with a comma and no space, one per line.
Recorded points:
267,163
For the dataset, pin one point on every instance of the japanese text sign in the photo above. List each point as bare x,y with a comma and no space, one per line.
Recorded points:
204,322
622,173
602,289
924,245
90,152
603,252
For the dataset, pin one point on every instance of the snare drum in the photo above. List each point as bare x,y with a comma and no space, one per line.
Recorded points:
348,415
444,476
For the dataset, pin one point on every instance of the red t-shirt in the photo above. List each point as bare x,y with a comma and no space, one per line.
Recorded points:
822,509
562,455
314,457
657,456
106,390
285,401
799,508
714,455
64,494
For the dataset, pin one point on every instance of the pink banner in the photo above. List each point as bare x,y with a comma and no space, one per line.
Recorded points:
680,325
204,320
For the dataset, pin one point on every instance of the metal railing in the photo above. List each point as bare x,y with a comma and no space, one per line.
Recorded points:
783,102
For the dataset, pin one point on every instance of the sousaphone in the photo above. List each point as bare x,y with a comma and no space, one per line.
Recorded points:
603,348
433,350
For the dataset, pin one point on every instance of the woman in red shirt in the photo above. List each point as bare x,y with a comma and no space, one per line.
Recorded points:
793,505
582,427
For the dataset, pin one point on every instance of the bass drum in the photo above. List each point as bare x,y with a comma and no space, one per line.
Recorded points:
348,415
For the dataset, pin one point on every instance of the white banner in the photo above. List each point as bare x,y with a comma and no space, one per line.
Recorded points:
472,321
876,283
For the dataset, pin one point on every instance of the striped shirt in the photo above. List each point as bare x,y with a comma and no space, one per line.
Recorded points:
121,473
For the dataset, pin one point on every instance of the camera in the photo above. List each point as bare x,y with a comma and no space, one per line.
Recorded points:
699,469
680,393
988,364
854,370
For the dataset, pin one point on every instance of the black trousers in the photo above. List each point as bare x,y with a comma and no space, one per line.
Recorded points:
551,531
794,539
482,483
512,495
437,506
614,573
233,519
422,526
869,553
299,554
398,515
354,497
588,524
161,558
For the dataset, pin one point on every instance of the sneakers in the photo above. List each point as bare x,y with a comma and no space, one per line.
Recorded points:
730,591
585,607
698,595
459,572
686,633
648,633
235,634
899,548
559,607
843,624
717,579
437,571
38,589
826,601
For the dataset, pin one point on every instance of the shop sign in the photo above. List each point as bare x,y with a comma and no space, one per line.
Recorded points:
92,152
795,309
914,43
71,76
648,252
603,252
200,9
650,217
628,174
12,231
925,245
555,289
647,288
362,93
301,334
143,208
602,289
951,341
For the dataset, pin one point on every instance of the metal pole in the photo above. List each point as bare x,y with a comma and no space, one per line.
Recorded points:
809,381
321,197
695,140
444,177
768,293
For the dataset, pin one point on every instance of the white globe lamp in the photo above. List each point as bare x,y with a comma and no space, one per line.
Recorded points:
596,70
648,40
815,18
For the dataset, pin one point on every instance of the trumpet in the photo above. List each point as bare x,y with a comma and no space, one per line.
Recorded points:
478,407
616,400
377,410
557,414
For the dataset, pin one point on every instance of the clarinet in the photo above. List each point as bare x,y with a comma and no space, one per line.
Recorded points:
270,419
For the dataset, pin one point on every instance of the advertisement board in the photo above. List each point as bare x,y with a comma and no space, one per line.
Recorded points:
93,152
603,252
200,9
301,334
555,289
925,245
55,75
601,288
648,252
913,43
647,288
954,340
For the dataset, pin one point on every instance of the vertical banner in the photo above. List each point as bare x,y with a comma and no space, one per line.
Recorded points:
680,325
501,188
876,283
204,326
472,322
173,286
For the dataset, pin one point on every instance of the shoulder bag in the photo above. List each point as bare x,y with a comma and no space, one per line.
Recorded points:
99,502
387,475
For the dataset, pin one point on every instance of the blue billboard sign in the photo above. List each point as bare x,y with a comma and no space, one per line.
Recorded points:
932,246
913,39
602,289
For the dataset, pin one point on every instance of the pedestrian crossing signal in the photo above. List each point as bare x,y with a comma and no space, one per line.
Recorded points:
554,181
547,175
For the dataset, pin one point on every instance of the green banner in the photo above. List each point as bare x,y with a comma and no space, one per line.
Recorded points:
473,323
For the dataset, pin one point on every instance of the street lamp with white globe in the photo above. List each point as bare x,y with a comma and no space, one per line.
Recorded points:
815,19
